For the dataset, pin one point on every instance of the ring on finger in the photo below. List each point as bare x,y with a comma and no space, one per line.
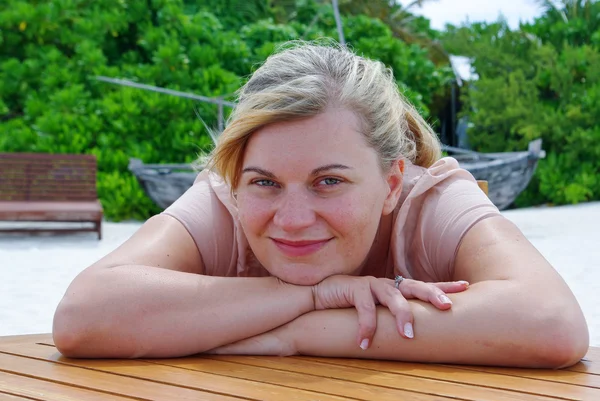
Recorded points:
397,281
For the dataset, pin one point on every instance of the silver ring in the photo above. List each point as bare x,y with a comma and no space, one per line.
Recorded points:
397,281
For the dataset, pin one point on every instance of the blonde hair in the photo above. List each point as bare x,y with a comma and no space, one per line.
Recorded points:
303,80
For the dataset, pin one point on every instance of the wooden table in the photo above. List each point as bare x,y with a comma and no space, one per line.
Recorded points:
32,369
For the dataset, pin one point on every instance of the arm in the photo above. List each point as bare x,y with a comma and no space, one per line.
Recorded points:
517,312
148,299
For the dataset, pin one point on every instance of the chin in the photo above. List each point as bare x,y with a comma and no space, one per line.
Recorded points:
301,275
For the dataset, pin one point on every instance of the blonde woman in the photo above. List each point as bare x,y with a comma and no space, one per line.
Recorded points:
327,224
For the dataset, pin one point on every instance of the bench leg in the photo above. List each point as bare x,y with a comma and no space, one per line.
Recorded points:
99,229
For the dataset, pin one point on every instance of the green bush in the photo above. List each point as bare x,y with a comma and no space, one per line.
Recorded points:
541,81
52,49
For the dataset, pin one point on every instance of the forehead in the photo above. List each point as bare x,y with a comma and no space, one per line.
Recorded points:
332,136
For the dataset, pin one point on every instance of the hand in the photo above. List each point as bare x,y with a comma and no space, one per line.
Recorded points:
364,293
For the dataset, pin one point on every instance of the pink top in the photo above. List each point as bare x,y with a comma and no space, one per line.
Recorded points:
437,207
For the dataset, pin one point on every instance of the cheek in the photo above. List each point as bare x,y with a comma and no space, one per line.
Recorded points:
254,213
356,219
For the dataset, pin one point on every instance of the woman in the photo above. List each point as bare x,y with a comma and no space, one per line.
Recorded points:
327,225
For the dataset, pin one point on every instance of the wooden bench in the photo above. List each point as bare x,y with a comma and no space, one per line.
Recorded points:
483,185
37,187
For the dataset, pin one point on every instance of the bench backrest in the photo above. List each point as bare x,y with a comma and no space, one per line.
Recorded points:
47,177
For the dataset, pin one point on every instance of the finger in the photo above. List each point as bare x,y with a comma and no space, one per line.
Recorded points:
427,292
367,316
398,306
451,287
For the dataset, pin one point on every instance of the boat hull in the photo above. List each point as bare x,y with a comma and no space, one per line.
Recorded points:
164,184
507,174
506,177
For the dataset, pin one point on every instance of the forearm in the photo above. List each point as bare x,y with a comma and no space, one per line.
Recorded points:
490,324
139,311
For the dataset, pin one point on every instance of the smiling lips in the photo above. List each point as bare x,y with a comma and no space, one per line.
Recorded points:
299,248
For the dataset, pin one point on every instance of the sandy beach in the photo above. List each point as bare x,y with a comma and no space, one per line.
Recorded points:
36,270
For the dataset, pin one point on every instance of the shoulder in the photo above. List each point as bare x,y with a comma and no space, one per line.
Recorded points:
438,206
208,199
418,180
449,197
208,212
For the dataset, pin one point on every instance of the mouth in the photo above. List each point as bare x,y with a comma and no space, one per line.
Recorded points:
299,248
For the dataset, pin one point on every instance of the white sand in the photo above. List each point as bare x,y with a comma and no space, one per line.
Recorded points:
36,270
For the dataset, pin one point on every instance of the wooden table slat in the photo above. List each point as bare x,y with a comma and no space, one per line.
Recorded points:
591,368
11,397
590,363
32,388
139,369
95,380
32,362
343,381
458,375
558,376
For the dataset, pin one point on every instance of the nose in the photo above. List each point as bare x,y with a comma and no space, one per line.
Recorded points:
294,211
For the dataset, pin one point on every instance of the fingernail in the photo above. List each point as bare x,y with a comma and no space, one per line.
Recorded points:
408,330
364,344
463,282
444,299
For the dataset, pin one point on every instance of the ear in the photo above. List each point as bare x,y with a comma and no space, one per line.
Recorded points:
394,181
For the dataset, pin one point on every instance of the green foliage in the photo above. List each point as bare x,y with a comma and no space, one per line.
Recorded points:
52,49
541,81
417,76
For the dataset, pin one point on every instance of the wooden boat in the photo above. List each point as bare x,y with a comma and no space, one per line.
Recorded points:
163,183
507,174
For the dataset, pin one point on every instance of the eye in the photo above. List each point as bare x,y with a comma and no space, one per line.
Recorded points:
330,181
264,183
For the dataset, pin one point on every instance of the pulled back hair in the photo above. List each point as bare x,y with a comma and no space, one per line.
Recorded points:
304,79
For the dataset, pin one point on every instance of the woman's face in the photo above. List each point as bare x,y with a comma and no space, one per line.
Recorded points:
311,196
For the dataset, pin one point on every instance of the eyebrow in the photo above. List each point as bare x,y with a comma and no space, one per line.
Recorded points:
316,171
